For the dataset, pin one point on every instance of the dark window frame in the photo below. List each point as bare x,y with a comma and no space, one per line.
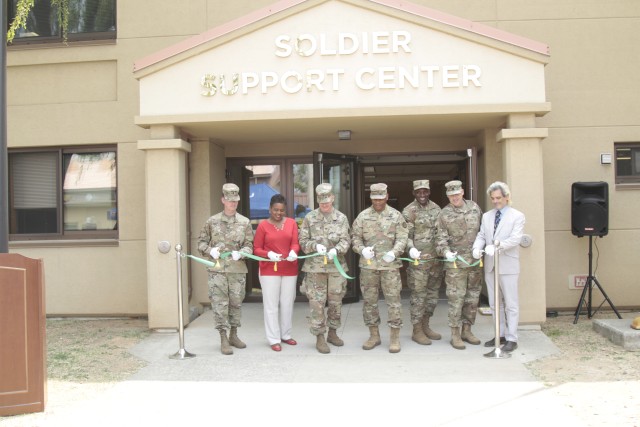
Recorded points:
72,38
63,234
623,152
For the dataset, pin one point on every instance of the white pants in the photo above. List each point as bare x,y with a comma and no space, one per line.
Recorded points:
278,296
509,314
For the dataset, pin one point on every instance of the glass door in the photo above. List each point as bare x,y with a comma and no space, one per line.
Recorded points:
341,171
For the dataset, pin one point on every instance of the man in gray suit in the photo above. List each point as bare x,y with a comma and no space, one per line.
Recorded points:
504,224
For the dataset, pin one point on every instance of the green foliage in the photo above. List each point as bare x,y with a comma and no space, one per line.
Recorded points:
23,7
20,21
300,178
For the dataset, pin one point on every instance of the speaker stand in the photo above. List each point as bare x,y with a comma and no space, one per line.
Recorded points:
588,287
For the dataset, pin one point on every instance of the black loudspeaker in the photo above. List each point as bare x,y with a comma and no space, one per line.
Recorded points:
589,209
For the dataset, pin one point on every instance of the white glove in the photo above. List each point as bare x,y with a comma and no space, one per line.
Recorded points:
414,253
215,253
477,253
274,256
332,253
292,255
490,250
321,249
235,255
367,252
389,257
450,256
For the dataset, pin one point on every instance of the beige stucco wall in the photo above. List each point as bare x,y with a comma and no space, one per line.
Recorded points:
90,96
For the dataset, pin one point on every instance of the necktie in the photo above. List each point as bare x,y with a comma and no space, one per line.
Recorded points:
497,221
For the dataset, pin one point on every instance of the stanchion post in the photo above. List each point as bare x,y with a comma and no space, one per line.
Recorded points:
182,353
496,353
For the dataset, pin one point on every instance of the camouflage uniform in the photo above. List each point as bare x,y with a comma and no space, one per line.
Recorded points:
323,281
424,279
385,231
228,279
457,230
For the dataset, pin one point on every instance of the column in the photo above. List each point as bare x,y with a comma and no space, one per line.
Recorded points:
166,219
523,170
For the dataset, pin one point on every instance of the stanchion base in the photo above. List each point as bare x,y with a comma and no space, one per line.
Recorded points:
496,353
182,354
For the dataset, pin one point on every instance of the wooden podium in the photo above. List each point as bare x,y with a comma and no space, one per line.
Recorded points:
23,364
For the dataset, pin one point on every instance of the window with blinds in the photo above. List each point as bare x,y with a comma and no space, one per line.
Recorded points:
64,193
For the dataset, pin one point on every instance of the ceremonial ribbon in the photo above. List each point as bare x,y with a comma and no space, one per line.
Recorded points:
336,261
423,261
458,257
224,255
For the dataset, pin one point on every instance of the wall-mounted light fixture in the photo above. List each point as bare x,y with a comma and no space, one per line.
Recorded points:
344,135
605,158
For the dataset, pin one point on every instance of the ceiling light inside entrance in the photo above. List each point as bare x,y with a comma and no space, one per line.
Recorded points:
344,135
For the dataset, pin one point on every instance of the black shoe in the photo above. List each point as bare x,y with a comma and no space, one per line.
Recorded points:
492,342
509,346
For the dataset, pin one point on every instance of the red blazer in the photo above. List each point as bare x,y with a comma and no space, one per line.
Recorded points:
269,238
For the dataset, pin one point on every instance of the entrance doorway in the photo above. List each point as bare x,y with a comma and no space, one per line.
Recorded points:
351,176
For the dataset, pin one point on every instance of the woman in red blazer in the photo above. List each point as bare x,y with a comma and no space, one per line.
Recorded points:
277,239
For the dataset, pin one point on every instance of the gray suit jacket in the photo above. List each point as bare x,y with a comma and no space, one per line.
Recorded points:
509,233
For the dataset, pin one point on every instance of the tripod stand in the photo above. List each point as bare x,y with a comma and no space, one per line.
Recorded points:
588,286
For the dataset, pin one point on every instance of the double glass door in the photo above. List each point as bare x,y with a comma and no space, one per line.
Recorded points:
295,179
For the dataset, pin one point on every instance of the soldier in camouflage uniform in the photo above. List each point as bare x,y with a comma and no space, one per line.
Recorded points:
379,235
326,231
458,225
424,279
227,231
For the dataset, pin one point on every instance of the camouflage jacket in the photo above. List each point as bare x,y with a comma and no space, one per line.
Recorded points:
227,234
457,230
331,231
385,231
422,222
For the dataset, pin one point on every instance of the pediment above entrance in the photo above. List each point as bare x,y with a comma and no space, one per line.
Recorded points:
341,58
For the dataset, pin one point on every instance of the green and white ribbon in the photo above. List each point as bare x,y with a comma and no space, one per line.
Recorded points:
224,255
458,258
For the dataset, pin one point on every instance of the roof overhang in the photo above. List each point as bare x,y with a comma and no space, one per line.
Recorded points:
414,73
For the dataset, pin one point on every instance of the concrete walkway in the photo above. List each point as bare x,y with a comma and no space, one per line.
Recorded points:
424,385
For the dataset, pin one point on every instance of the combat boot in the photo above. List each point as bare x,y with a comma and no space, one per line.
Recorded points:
321,344
374,338
394,344
456,341
334,339
234,340
225,348
467,336
430,333
419,336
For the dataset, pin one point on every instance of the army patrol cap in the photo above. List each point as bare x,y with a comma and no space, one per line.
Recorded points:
324,192
231,192
378,191
453,187
421,183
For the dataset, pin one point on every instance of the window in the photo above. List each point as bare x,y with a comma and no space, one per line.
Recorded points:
63,194
88,20
627,162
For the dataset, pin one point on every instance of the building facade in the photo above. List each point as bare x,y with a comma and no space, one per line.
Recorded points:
133,130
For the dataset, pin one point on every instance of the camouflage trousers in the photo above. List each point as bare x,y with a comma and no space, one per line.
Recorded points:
320,288
226,293
463,292
370,283
425,289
